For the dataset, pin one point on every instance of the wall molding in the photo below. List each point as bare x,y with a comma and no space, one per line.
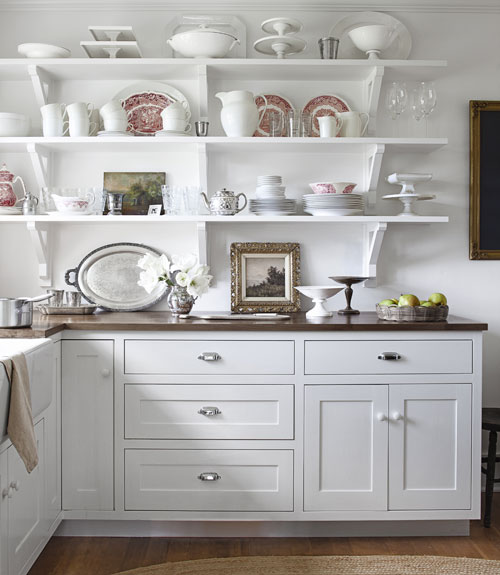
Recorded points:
457,6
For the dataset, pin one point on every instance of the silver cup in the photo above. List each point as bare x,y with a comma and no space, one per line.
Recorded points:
57,298
328,48
115,203
73,298
201,128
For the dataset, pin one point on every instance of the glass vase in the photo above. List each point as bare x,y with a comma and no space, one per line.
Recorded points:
179,301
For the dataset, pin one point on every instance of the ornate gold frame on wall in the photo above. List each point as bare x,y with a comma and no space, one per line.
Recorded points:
476,108
241,304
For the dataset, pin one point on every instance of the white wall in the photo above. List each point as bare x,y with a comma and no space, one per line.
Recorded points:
419,259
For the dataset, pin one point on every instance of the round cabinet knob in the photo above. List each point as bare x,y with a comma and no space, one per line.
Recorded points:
105,372
381,416
397,416
16,485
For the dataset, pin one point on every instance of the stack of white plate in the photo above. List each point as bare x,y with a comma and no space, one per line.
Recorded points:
273,207
333,204
10,211
271,200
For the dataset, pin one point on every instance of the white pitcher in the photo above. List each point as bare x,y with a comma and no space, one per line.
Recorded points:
353,125
240,115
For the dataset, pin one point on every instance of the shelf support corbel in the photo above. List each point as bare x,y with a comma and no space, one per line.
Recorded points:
40,238
202,167
41,81
372,94
202,232
40,161
375,156
374,239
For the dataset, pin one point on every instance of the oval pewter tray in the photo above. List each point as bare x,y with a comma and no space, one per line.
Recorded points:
108,276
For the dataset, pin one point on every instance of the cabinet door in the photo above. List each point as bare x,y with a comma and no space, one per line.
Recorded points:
87,424
4,503
26,529
345,452
53,443
430,446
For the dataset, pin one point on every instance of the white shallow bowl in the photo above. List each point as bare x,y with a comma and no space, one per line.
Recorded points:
203,43
12,125
319,294
71,204
332,187
372,39
43,51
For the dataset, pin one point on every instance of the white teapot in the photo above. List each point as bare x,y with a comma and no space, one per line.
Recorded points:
240,115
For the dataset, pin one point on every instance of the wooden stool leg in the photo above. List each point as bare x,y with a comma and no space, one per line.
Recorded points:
490,477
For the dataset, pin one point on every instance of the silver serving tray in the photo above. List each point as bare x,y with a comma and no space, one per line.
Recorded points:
67,310
108,276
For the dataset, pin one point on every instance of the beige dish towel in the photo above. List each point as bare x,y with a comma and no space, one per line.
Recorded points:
20,426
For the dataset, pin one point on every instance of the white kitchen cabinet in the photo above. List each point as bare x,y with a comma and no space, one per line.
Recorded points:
53,444
410,443
87,424
345,445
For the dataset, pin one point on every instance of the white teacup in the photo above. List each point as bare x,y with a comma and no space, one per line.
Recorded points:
354,124
111,107
329,126
176,110
176,125
115,124
53,120
79,119
79,109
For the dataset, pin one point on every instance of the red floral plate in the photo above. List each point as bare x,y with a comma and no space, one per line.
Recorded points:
324,106
144,102
275,103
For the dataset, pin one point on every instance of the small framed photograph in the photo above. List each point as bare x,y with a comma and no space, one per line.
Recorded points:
154,210
263,276
141,189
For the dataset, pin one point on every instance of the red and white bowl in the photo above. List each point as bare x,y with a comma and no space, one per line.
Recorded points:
332,187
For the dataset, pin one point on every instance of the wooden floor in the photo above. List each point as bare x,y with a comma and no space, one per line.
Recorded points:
104,556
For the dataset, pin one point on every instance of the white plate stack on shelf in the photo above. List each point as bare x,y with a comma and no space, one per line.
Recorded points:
112,42
10,211
334,204
271,199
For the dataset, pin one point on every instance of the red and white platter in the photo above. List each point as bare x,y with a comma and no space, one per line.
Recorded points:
275,103
325,105
144,103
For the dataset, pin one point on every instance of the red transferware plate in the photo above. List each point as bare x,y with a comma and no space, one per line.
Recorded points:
325,105
274,102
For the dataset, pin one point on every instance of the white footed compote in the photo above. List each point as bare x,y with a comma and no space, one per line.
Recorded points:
319,294
372,39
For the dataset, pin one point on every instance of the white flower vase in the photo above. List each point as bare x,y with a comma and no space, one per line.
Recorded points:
179,301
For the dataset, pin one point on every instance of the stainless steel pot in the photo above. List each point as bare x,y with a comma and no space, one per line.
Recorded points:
18,312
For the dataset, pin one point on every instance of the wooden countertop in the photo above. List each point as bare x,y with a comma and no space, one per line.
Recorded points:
45,326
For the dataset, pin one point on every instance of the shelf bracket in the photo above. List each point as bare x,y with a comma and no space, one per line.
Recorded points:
372,94
202,167
375,156
202,231
373,242
41,81
202,92
40,161
40,238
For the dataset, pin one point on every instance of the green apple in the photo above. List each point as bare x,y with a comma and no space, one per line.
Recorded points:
408,299
395,300
387,302
427,304
438,299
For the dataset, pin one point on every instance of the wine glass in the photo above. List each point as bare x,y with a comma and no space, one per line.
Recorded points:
396,100
428,99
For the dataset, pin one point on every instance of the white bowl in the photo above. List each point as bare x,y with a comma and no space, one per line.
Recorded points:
332,187
43,51
70,204
14,124
203,43
319,294
372,39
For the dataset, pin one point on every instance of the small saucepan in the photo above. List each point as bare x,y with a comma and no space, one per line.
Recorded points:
18,312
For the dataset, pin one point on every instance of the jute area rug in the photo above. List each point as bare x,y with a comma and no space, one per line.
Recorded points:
331,565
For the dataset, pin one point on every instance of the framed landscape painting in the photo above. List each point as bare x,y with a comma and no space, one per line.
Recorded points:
263,276
141,190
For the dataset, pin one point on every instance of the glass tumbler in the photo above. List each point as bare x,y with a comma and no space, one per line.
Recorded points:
275,123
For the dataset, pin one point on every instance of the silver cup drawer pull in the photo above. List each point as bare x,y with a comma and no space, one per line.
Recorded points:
209,410
209,356
389,356
209,476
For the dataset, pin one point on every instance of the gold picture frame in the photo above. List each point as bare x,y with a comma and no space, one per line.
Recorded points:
484,196
263,276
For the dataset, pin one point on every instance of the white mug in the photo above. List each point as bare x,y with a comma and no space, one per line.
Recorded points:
53,120
353,124
329,126
79,108
176,110
173,124
79,119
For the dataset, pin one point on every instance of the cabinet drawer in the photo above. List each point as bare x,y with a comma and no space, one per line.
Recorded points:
243,480
220,357
227,412
416,356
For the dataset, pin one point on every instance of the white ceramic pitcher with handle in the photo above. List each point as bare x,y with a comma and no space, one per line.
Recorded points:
240,115
354,124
